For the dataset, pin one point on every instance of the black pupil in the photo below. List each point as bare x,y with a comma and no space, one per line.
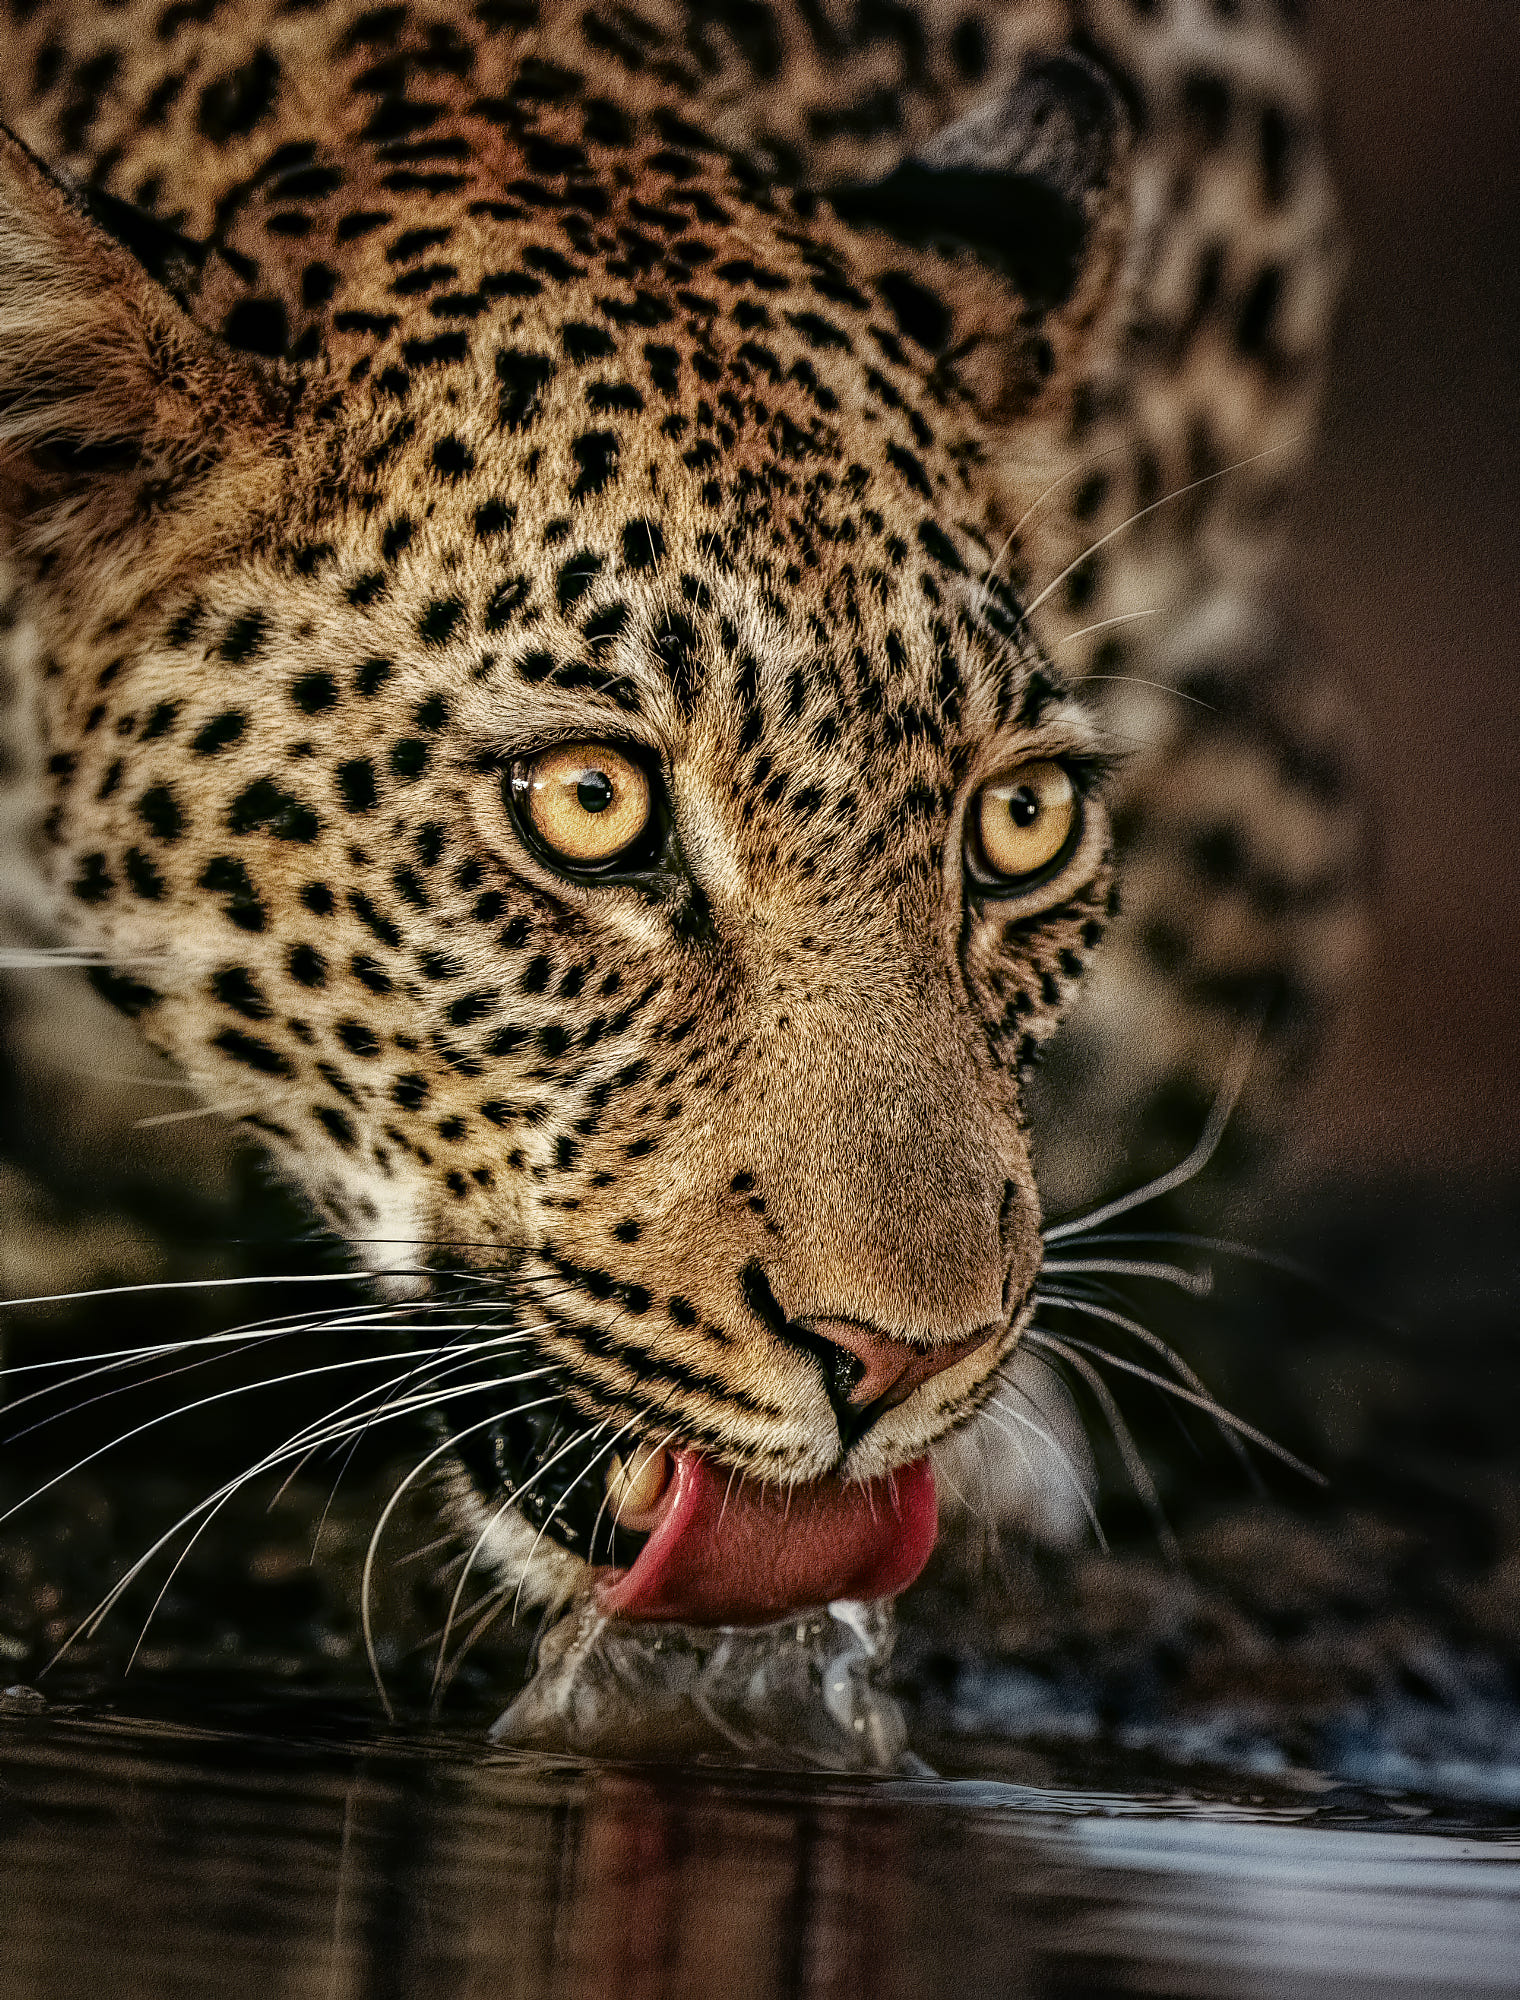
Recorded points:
594,791
1024,807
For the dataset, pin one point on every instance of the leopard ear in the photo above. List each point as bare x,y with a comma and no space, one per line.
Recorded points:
107,387
1017,213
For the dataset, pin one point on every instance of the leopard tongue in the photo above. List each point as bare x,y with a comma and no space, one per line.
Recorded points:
733,1552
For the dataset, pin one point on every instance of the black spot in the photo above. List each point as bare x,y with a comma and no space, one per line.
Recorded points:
360,222
675,643
576,576
373,920
1258,311
368,973
365,589
142,876
596,453
438,622
337,1124
371,675
318,898
252,1052
408,758
492,518
318,283
236,987
643,544
968,49
583,342
227,877
264,805
664,366
605,397
820,332
244,637
257,326
1206,102
314,693
233,104
452,458
413,242
356,785
307,965
160,812
410,1091
127,995
911,467
523,379
397,536
504,600
352,321
161,719
436,352
938,546
357,1038
94,883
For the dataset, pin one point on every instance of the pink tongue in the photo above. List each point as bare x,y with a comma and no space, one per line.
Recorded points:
736,1553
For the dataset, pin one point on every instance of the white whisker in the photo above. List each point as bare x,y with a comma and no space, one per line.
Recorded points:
1202,1402
1208,1144
1178,493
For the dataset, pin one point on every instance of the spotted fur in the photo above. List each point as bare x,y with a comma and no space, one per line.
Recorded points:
386,392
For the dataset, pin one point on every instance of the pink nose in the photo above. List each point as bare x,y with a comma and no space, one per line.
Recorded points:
891,1370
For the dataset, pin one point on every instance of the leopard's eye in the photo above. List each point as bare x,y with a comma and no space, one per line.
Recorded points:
1024,822
586,803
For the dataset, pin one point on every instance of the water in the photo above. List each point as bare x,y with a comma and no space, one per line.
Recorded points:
151,1861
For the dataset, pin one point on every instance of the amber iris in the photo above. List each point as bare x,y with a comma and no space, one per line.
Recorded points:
1024,820
586,802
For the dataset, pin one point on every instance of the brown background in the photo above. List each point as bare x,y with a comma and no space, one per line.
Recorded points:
1409,564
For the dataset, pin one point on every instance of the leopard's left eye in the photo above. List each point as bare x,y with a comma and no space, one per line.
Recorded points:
587,805
1023,824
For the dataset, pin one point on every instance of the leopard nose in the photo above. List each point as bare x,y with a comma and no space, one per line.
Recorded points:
874,1370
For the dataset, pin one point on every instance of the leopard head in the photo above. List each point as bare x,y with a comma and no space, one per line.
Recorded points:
561,763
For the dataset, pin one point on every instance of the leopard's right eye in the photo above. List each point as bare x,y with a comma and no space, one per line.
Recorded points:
587,806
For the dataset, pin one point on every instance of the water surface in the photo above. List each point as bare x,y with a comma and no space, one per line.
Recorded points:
141,1858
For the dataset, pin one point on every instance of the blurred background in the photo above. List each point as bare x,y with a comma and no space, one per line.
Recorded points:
1411,547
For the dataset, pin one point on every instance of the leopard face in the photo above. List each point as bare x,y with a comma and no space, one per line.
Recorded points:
554,752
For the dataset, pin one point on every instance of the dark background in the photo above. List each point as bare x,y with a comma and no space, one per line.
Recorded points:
1410,543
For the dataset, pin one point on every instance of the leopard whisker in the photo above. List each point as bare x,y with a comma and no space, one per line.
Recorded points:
1178,493
1220,1113
1198,1284
1102,625
1063,1457
366,1582
220,1396
1134,1464
1184,1394
299,1444
580,1437
1074,1302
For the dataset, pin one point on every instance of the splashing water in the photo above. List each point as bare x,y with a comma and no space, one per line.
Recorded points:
803,1693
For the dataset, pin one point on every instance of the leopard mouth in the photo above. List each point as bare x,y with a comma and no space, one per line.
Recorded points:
706,1546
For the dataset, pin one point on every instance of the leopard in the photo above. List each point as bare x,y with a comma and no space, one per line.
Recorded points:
648,640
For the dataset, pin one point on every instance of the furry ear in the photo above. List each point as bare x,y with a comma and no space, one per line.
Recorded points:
1019,209
107,388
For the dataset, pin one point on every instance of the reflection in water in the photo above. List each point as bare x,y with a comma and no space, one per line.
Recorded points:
149,1864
